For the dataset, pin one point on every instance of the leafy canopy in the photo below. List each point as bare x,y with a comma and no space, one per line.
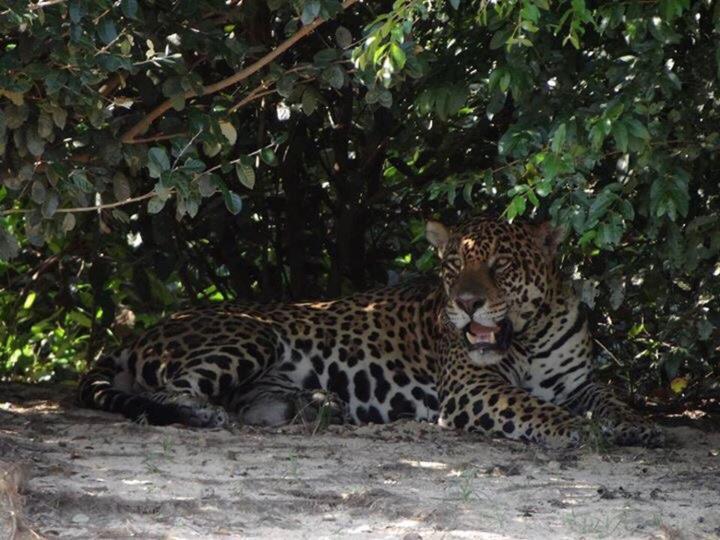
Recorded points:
155,151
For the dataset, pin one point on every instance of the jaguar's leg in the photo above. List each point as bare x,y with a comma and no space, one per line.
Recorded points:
180,405
481,400
195,389
275,400
155,393
616,420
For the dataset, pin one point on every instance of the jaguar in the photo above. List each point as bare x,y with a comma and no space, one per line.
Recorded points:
498,343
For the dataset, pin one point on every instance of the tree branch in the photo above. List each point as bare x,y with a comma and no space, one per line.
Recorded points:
46,3
117,204
157,112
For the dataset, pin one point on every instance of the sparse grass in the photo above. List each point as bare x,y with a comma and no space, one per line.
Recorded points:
602,526
325,403
464,485
294,465
610,526
467,492
167,446
323,417
596,440
150,466
166,452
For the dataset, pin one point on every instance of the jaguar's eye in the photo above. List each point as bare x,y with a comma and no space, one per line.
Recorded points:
502,263
451,263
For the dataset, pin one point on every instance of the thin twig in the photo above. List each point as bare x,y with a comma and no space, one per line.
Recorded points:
44,4
252,96
157,112
185,148
86,208
158,137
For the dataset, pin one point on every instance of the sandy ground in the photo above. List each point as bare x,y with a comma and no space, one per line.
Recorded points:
72,473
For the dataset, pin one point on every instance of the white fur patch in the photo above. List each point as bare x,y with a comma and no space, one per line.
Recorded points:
485,358
266,412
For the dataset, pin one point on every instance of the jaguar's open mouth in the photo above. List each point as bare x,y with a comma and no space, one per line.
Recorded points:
481,337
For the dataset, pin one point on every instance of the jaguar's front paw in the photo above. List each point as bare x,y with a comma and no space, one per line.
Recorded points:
205,415
638,434
568,434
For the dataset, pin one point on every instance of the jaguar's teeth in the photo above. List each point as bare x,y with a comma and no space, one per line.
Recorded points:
485,337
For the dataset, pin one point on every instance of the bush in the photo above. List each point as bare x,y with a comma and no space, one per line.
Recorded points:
155,155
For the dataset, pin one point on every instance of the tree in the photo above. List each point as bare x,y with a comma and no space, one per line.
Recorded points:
155,153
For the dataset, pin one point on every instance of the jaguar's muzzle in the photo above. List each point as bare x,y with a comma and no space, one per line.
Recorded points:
481,338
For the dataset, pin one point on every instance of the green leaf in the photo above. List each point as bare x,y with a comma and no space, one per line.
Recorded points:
121,187
35,144
398,56
107,30
334,76
245,174
155,205
620,134
325,57
38,193
385,98
627,210
9,247
233,202
343,37
310,11
500,38
29,300
269,157
193,165
68,222
309,101
551,166
129,8
505,81
516,207
558,140
80,318
76,11
597,136
207,185
158,161
455,4
50,205
45,126
59,116
637,129
467,192
80,180
286,84
229,132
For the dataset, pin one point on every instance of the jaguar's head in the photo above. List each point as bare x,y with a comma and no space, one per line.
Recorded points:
497,277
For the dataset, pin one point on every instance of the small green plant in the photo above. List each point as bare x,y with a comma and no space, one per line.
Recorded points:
324,416
595,437
598,526
167,446
294,465
465,485
150,464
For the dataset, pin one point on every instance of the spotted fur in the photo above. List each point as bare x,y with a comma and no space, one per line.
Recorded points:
397,352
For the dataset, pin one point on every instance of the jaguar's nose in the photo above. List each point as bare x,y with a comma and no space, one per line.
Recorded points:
469,302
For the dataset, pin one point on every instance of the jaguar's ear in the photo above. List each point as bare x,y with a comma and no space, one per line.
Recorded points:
437,234
549,237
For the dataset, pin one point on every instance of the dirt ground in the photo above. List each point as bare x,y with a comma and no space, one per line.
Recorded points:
72,473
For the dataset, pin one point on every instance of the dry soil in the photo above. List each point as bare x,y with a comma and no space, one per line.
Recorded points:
73,473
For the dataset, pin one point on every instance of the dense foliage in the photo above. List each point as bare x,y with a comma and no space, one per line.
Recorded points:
159,153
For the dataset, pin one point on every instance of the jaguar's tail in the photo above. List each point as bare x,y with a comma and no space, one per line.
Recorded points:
108,387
